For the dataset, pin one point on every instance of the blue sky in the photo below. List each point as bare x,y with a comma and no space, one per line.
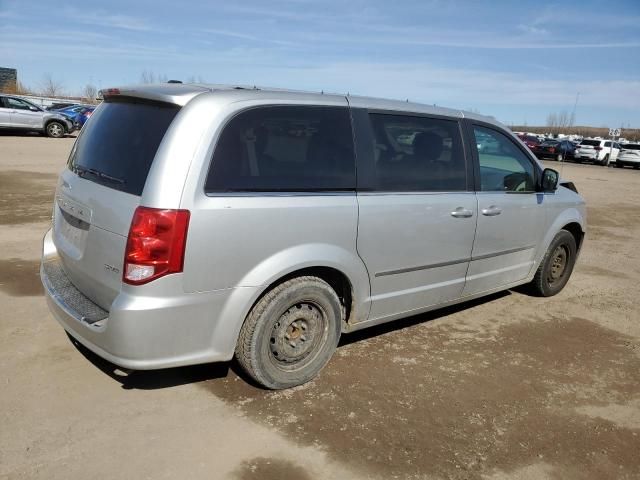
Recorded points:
515,60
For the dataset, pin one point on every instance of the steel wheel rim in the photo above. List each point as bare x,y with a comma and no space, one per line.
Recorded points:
297,335
559,262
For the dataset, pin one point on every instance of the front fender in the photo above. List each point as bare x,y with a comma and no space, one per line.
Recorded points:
576,214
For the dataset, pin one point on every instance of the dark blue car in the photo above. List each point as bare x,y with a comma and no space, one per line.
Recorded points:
78,114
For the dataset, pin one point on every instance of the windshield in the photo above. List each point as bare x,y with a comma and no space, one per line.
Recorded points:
116,148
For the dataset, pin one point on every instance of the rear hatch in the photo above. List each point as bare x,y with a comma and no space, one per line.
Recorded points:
99,192
588,146
630,152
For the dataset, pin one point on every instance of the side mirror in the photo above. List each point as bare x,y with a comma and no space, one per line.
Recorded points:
34,109
550,179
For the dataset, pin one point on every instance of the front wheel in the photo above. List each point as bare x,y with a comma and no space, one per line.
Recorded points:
555,269
55,130
291,333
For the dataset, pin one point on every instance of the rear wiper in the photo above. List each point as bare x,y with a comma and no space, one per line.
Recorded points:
82,170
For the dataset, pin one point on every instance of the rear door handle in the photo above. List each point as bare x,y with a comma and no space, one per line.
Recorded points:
461,212
492,211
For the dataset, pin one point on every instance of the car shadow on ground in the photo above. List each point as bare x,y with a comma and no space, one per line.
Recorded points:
29,133
173,377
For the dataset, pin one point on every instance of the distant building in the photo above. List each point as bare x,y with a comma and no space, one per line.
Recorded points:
8,79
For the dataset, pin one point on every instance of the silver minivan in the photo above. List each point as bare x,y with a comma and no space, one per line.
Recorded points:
195,223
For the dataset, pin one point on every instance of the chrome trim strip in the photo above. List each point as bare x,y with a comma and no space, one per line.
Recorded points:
453,262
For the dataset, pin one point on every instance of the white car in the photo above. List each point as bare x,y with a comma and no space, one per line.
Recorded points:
629,155
597,151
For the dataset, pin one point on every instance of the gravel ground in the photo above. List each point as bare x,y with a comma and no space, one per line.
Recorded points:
509,386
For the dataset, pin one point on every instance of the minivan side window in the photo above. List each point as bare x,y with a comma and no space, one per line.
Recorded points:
503,166
417,154
284,149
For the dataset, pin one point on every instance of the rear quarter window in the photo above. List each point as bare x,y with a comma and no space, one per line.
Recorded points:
117,147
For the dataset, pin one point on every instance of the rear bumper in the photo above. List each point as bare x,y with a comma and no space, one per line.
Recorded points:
157,330
628,161
588,156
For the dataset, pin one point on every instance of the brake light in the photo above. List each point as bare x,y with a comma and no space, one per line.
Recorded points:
597,148
155,245
552,150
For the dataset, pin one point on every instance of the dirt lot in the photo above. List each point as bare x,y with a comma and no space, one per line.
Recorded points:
506,387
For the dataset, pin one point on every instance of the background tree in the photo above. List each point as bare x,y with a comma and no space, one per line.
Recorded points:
90,93
50,86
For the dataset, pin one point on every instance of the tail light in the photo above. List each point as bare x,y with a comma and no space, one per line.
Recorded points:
597,148
155,245
552,149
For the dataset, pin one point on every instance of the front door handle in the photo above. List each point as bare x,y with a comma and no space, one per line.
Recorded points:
492,211
461,212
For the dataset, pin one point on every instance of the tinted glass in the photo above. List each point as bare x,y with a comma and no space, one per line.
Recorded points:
116,148
607,144
284,149
503,166
593,143
417,154
631,146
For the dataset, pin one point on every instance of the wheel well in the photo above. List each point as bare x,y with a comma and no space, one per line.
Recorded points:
57,121
335,278
576,230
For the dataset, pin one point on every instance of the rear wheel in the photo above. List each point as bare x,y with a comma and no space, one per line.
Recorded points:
559,157
55,130
291,333
555,269
619,165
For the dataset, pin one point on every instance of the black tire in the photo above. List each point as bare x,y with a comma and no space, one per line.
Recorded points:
553,272
291,333
619,165
636,167
55,129
605,160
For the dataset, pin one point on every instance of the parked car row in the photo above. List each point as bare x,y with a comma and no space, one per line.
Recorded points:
20,114
596,150
78,113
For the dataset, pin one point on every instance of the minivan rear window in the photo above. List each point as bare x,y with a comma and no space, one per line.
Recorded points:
285,149
117,145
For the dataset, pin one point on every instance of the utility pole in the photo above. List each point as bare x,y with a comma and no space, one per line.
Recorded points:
573,113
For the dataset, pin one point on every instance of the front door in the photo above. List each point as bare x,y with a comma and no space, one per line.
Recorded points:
23,114
511,215
417,216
